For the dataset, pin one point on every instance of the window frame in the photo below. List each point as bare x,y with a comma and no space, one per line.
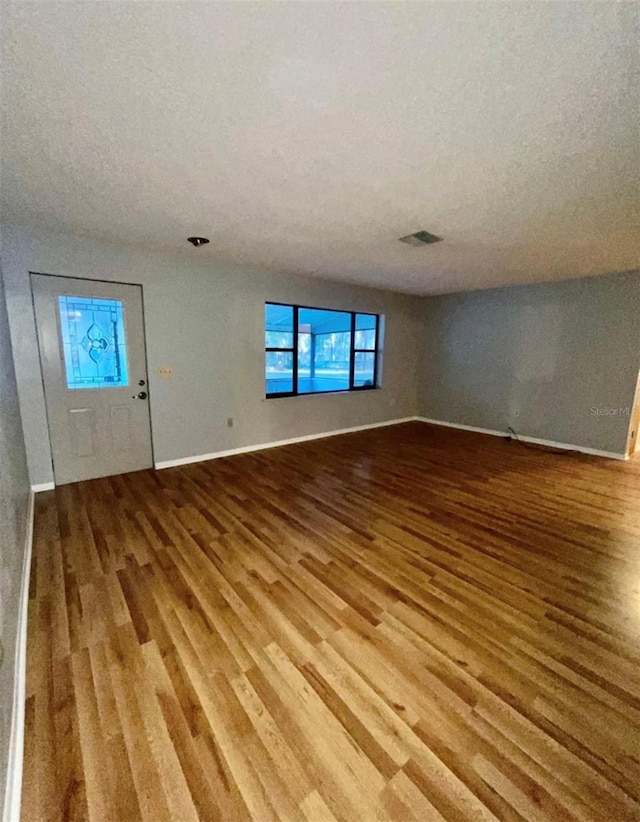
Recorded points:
352,353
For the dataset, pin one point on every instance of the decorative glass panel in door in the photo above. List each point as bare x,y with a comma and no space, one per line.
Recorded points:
94,342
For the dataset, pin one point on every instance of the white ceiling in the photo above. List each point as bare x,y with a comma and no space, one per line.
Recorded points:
309,137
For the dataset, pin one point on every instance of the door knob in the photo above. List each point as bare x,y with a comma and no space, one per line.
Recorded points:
142,395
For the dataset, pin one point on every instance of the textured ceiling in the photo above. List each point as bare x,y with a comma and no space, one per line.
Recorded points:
309,137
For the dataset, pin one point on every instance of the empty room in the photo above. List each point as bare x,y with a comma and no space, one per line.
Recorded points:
319,410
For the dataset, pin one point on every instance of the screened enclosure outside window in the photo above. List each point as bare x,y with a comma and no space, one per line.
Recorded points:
319,350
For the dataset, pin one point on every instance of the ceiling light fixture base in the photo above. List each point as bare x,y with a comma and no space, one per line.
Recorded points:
420,238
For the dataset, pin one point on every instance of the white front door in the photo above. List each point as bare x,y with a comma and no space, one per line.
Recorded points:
92,351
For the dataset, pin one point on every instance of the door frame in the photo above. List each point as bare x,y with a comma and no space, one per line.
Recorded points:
633,442
146,356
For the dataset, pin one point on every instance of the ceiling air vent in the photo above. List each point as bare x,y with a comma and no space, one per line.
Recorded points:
420,238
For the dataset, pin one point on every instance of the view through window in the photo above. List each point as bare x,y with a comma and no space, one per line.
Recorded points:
319,350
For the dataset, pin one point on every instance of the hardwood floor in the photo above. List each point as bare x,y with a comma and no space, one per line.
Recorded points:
408,623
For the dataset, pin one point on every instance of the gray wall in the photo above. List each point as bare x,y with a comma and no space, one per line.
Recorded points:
14,495
206,321
538,358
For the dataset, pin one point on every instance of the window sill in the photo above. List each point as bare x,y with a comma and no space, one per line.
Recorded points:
320,393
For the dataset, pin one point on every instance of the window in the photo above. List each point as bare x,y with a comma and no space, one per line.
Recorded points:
318,350
93,342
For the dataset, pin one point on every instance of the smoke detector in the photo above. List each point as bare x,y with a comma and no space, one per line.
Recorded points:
420,238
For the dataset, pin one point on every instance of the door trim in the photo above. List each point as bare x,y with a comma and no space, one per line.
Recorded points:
634,423
15,757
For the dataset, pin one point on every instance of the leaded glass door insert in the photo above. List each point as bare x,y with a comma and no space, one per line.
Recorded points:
93,342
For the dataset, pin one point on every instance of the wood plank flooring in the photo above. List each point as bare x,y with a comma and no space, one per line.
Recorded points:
408,623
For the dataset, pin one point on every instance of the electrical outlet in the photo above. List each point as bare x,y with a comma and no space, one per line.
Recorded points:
165,372
229,422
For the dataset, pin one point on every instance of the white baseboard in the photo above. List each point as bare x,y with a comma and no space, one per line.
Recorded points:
246,449
13,793
43,486
582,449
563,446
492,432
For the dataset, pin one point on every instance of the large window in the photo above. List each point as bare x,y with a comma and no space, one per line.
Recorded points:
318,350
